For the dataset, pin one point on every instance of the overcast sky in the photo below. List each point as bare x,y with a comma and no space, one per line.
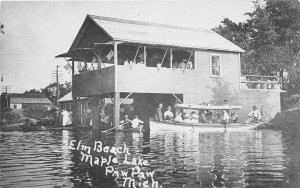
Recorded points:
35,32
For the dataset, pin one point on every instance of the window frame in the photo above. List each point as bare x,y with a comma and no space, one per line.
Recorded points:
210,65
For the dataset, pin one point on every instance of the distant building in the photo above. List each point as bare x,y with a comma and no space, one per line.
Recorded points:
27,101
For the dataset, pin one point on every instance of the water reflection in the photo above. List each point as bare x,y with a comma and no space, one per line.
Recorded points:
263,158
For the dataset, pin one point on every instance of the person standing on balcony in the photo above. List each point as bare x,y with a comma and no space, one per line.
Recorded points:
181,65
158,112
189,65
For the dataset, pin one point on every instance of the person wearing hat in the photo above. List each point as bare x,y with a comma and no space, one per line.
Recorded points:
254,115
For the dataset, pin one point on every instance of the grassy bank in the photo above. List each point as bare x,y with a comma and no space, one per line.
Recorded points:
287,120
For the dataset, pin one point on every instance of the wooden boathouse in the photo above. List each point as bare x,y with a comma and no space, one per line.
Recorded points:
155,63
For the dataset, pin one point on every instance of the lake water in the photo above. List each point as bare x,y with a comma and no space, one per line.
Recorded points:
263,158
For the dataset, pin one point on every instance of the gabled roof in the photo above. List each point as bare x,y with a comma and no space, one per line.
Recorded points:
28,98
158,34
68,97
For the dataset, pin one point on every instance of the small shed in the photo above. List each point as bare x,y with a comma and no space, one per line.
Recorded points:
29,101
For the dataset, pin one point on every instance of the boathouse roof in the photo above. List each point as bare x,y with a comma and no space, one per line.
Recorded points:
94,28
28,98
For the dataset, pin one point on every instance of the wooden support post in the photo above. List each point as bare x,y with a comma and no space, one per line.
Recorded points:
95,112
145,56
75,103
116,54
116,108
171,58
85,65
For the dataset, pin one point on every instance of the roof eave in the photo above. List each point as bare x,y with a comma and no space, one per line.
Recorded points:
240,50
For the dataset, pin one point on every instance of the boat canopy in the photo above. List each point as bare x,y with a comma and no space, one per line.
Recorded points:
207,107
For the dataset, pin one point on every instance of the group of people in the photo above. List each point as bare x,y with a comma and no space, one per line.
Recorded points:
184,64
126,123
127,118
205,116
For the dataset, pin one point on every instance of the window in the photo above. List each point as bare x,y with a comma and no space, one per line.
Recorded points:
215,65
24,106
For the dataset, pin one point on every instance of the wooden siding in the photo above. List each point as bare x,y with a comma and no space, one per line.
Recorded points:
214,89
95,82
194,84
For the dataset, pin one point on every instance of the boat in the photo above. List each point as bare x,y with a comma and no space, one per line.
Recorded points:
129,130
29,127
203,127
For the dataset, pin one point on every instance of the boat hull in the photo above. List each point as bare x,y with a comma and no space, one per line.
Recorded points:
199,127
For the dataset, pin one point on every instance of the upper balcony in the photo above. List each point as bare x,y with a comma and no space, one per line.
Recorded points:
257,82
139,79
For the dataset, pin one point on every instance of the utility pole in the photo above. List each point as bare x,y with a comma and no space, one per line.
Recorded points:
57,86
5,90
57,76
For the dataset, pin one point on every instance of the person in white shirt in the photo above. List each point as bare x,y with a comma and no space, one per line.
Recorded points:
179,117
225,117
136,122
168,115
66,118
194,118
254,115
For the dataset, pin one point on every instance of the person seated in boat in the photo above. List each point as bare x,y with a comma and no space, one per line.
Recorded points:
125,123
218,117
234,117
203,117
158,112
209,116
225,117
185,118
168,115
194,118
178,118
136,122
126,63
254,115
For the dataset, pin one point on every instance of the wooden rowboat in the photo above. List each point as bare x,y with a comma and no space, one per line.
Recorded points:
129,130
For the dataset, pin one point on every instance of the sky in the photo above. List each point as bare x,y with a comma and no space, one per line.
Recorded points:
37,31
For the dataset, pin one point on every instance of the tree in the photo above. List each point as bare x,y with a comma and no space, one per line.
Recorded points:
50,90
271,39
33,91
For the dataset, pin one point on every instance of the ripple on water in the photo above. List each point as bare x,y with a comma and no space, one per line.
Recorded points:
244,159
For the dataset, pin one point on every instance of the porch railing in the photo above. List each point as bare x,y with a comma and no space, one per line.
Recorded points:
260,82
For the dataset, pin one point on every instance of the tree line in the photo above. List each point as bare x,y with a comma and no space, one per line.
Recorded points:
271,39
